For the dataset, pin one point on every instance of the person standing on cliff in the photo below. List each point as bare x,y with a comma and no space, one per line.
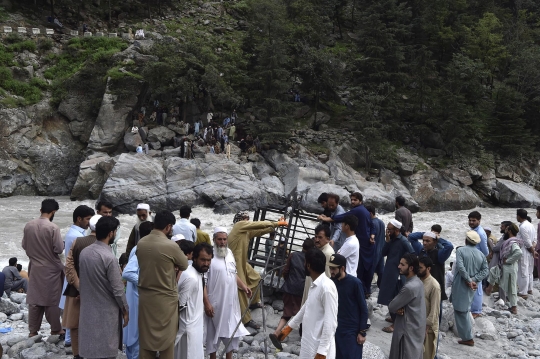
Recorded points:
143,214
239,237
403,215
474,222
43,243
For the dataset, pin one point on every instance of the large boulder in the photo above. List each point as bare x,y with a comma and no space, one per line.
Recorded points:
407,162
136,178
162,135
434,193
132,140
486,329
395,187
512,194
111,122
93,174
318,118
8,307
78,110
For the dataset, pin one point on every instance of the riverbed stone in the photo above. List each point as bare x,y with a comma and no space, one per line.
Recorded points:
8,307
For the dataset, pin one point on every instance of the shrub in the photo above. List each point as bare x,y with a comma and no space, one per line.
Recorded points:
28,45
45,44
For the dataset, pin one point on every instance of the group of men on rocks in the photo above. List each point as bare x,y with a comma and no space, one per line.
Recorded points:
185,294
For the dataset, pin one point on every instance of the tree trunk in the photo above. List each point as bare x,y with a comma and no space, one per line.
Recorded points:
148,4
109,12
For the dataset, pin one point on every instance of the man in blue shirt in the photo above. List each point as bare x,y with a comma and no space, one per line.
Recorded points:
184,226
81,221
379,236
366,236
474,222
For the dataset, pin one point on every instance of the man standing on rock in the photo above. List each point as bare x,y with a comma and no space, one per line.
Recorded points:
143,214
189,339
43,243
239,237
322,242
394,249
527,234
379,236
403,215
184,226
103,305
352,310
474,222
471,269
337,237
410,307
432,295
81,220
494,256
221,303
351,248
505,273
159,259
318,315
366,237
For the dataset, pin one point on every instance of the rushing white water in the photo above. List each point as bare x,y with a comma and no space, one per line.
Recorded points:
17,211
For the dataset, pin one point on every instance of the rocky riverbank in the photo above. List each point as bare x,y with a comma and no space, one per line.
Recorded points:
498,334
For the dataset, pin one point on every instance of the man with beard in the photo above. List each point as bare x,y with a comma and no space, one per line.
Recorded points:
322,242
403,215
394,249
159,259
189,339
438,250
318,315
105,209
527,234
352,315
143,214
337,237
81,219
103,301
221,303
131,275
43,243
432,295
410,307
505,273
471,269
496,251
474,222
239,238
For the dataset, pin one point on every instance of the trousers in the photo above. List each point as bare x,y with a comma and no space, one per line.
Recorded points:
476,306
35,316
366,276
463,324
151,354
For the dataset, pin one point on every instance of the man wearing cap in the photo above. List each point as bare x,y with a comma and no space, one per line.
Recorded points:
394,249
70,317
352,310
439,250
221,303
143,214
239,237
471,268
184,226
474,223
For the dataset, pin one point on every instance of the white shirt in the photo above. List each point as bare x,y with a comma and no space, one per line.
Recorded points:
527,233
186,228
351,250
318,317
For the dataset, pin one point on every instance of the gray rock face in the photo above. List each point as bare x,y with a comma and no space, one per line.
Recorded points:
77,109
92,176
162,135
318,119
132,140
514,194
8,307
111,122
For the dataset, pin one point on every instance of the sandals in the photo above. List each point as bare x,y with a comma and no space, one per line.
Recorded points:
389,329
256,306
389,320
276,341
252,324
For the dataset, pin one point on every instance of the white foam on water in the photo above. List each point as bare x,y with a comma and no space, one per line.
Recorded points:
18,210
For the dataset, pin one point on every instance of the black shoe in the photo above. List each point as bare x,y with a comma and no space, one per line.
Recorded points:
67,345
276,341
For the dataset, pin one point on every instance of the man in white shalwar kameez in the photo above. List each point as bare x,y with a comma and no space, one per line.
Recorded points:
190,336
527,233
318,315
221,303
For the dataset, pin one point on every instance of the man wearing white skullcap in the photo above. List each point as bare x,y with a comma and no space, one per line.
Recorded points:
143,214
395,247
221,303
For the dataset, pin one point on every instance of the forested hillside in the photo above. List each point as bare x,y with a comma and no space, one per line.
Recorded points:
460,78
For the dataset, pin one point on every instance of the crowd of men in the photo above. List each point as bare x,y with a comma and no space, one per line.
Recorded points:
179,293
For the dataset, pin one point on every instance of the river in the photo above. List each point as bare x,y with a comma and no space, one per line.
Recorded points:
19,210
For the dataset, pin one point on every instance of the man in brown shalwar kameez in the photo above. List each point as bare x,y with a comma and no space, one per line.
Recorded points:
159,258
103,301
43,243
